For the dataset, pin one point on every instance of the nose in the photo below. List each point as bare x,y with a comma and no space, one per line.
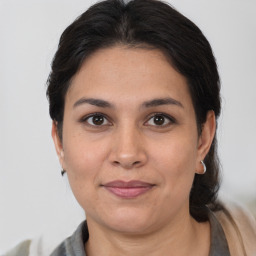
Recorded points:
128,148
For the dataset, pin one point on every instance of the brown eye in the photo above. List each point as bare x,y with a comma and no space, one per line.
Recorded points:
97,120
159,120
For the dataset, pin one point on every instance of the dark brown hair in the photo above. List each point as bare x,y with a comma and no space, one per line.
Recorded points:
145,23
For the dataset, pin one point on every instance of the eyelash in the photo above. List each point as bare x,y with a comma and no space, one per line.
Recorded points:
170,119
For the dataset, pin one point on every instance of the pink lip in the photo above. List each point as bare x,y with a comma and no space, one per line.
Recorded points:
130,189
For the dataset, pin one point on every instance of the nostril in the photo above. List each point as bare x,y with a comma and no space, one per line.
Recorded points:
116,163
127,164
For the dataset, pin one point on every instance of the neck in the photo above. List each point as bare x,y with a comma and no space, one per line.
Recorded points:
179,238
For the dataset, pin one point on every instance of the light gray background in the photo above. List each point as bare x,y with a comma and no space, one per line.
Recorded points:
34,198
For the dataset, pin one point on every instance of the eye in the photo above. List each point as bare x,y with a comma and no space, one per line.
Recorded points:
96,120
160,120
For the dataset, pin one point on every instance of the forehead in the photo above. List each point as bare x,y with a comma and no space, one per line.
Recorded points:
134,74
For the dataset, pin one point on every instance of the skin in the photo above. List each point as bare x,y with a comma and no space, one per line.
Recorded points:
130,144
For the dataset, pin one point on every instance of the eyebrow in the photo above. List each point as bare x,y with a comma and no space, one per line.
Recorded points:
162,101
147,104
95,102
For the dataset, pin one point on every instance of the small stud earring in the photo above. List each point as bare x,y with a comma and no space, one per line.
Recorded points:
63,172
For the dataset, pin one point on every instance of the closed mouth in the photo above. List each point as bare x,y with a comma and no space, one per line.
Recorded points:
130,189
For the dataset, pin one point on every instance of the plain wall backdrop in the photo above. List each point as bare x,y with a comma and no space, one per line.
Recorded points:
34,198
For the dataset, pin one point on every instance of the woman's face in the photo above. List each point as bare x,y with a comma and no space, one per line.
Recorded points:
130,143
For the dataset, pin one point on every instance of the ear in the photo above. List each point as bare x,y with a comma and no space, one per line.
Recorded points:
205,139
58,144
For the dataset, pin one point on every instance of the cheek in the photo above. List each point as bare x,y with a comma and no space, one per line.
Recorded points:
82,154
175,160
177,153
83,162
82,166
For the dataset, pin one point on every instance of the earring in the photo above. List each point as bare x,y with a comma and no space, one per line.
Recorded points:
63,172
202,162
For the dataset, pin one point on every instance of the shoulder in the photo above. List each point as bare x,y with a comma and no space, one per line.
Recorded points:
50,244
22,249
239,227
74,245
61,249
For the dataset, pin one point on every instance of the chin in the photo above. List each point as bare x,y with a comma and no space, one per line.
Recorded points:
130,221
131,227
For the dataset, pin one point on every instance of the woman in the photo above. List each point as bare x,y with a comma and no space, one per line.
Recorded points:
134,99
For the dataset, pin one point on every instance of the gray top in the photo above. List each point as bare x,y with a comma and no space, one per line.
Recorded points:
74,245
